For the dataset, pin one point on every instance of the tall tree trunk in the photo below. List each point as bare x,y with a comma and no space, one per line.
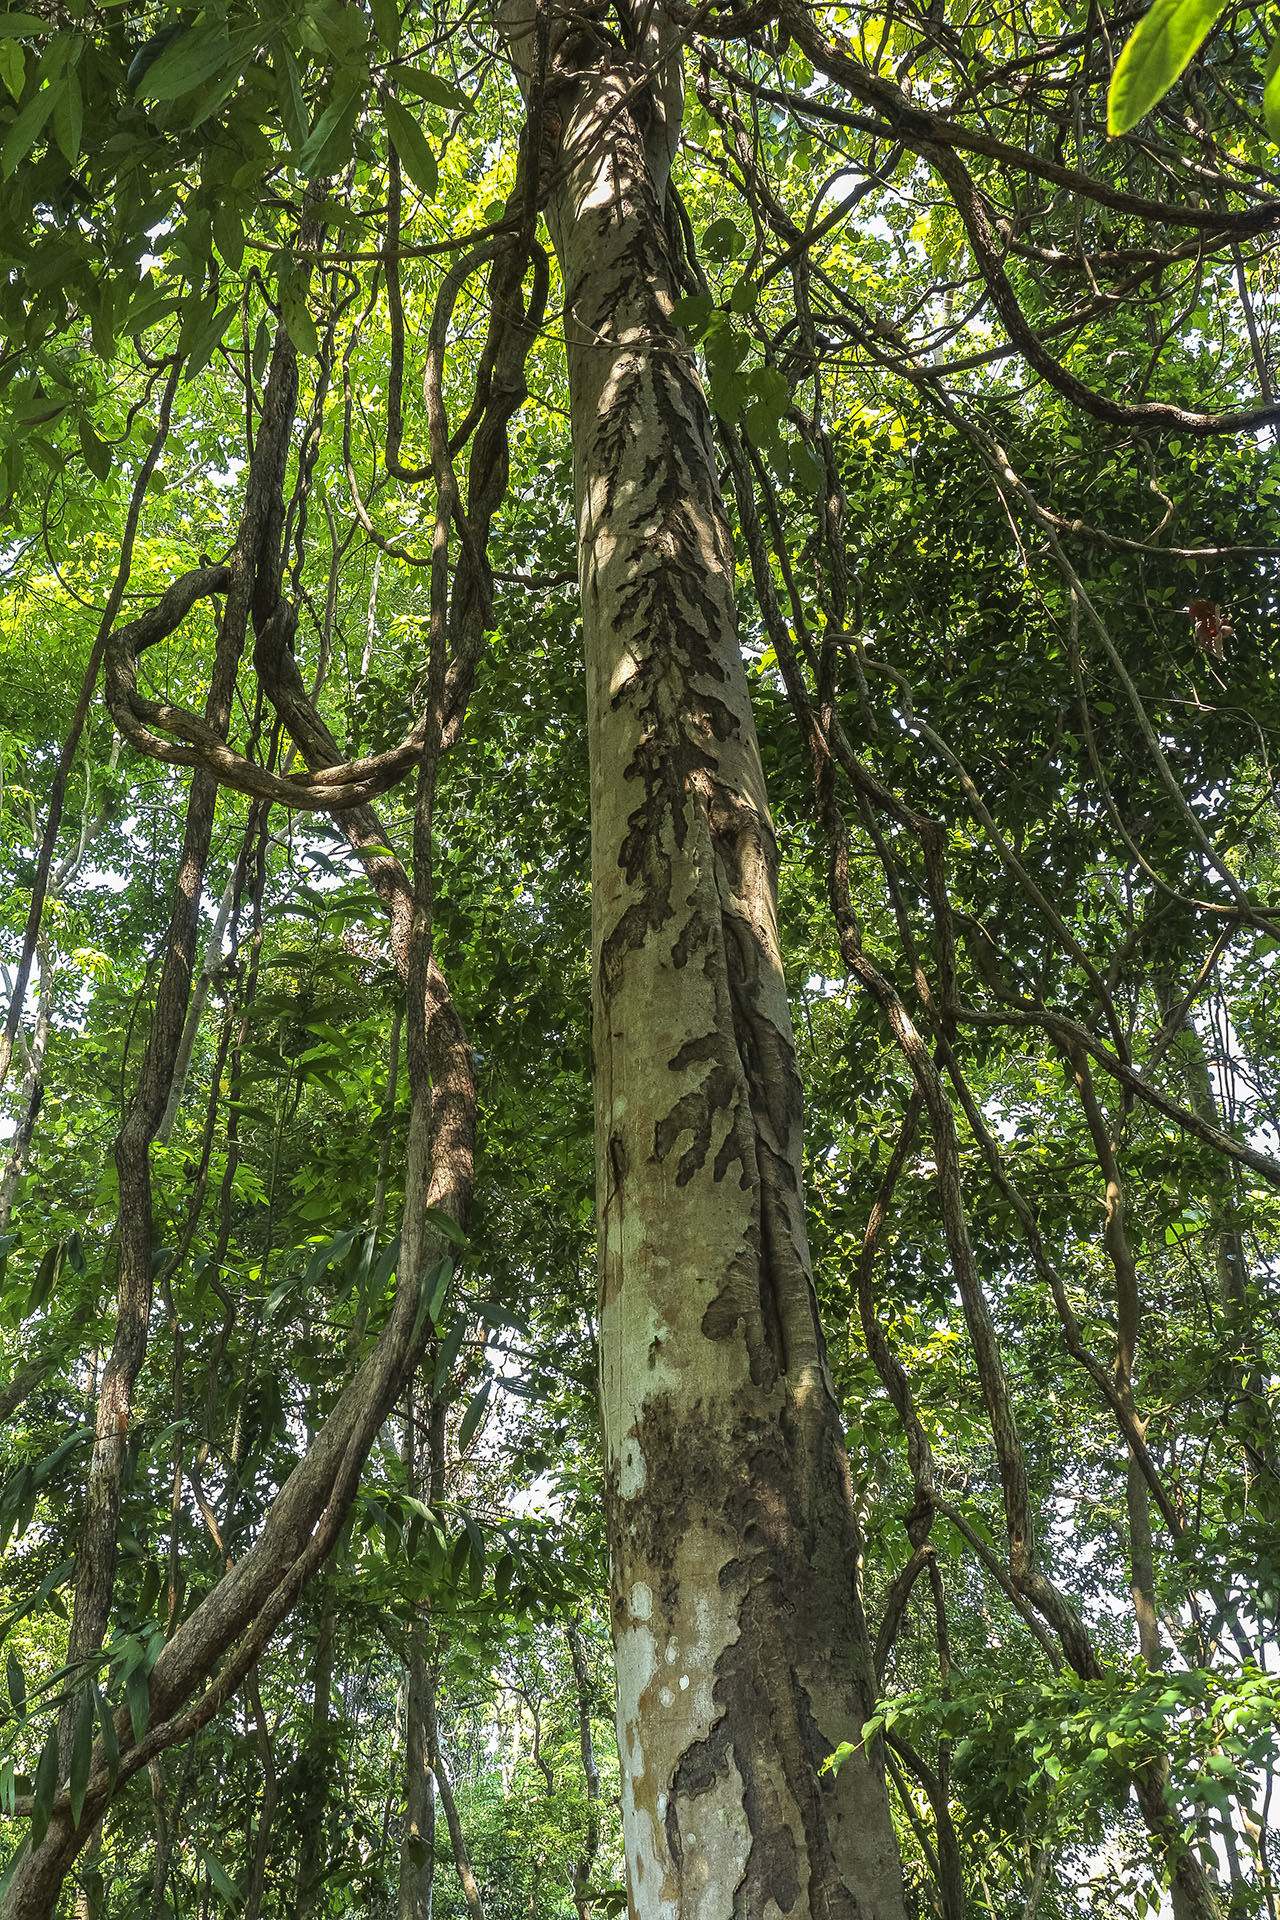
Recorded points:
583,1865
312,1863
742,1652
418,1846
32,1095
449,1806
424,1466
266,1804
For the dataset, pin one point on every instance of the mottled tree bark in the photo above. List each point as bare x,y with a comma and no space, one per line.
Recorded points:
741,1647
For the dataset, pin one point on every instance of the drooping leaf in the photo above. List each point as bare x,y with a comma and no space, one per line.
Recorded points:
138,1695
26,129
186,62
473,1416
45,1787
13,67
220,1879
430,87
1271,90
1161,45
68,118
81,1754
107,1730
449,1351
446,1224
411,144
97,454
386,23
330,139
46,1275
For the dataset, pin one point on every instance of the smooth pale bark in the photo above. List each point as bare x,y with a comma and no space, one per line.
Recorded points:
741,1647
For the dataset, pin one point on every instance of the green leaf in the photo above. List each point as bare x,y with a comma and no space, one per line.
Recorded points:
293,108
807,472
228,234
152,1582
81,1755
329,142
723,240
1271,90
435,1282
388,1260
473,1416
187,62
475,1543
386,23
449,1353
297,317
727,392
221,1879
16,26
26,129
46,1786
447,1225
13,67
39,1598
437,1291
97,454
138,1695
68,118
48,1466
1156,52
430,87
692,311
17,1682
770,396
205,343
107,1728
411,144
46,1275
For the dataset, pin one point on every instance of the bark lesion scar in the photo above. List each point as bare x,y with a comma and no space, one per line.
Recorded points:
717,1091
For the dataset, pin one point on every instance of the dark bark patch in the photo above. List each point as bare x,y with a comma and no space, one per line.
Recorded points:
693,1114
738,1305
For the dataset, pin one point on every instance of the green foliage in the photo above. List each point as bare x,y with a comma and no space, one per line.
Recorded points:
1158,50
169,183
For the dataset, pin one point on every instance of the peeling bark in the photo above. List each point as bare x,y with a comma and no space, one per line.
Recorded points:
742,1651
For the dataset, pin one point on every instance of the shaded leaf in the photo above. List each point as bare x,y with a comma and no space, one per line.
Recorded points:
411,144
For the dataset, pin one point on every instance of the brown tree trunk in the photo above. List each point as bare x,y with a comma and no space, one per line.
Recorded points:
424,1467
583,1865
311,1861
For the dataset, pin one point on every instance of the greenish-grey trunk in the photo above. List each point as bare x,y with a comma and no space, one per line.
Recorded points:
741,1648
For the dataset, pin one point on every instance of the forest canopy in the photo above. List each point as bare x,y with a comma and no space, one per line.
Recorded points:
639,1149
